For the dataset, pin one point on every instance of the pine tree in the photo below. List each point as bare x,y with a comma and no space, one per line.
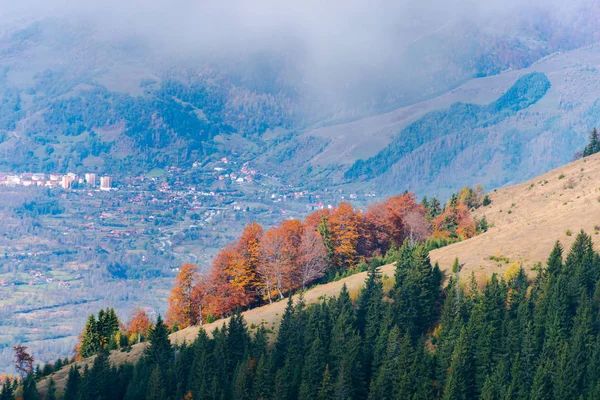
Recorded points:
51,393
7,392
593,145
435,208
30,391
461,379
312,371
159,352
156,386
325,233
98,381
263,380
73,383
242,383
327,389
541,388
90,340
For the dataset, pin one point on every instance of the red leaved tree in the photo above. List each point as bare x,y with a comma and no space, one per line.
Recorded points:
23,361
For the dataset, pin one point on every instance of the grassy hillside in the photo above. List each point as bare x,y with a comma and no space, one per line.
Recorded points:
268,315
527,219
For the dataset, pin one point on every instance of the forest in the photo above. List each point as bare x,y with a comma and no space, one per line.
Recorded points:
266,265
506,337
460,119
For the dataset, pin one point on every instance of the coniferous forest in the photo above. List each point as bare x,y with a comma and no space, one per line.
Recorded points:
508,338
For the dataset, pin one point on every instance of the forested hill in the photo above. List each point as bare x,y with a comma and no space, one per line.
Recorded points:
72,100
508,337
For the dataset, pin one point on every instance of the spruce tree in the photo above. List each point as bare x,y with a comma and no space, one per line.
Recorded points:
51,393
312,371
90,341
461,378
156,386
593,145
30,391
7,392
160,351
327,389
325,233
263,379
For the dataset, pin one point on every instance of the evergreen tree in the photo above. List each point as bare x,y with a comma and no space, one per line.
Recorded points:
461,378
263,380
30,391
327,389
312,371
159,352
156,386
7,392
51,393
593,145
90,340
325,233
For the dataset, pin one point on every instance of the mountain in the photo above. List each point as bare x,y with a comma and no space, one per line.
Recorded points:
436,146
525,222
77,99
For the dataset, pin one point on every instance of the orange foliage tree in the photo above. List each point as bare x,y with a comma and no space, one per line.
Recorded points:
220,296
139,324
242,269
344,224
455,223
394,220
183,308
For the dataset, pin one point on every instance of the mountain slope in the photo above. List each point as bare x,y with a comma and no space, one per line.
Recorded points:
527,219
450,154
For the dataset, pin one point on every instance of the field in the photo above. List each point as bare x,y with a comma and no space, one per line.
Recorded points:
527,219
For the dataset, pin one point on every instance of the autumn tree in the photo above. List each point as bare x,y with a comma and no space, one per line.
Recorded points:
313,258
272,268
455,222
139,324
394,220
183,310
23,361
247,258
220,296
344,225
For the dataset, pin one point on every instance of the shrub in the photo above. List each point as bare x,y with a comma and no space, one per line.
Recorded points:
486,201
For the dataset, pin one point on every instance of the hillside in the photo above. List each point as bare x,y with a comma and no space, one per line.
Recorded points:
527,219
438,145
268,315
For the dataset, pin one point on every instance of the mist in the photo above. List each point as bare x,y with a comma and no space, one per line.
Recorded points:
381,51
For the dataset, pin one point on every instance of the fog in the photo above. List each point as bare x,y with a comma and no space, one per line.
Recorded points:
332,46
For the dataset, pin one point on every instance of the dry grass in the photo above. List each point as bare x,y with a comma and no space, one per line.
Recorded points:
268,315
545,209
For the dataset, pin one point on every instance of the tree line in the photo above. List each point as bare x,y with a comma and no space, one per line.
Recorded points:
263,266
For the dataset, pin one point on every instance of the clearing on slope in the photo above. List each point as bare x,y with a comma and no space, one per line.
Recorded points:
527,219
